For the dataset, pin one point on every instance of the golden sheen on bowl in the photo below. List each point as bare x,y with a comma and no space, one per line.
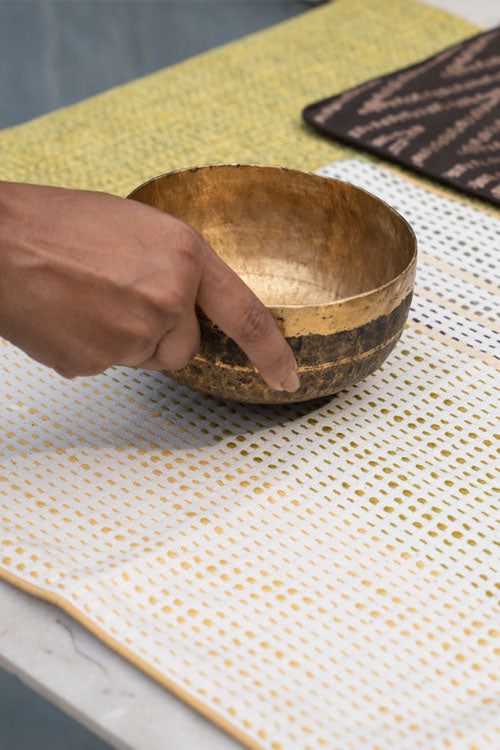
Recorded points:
333,263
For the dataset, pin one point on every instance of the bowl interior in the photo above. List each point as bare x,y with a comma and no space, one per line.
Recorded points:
294,237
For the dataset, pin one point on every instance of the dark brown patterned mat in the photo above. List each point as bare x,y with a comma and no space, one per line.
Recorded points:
440,117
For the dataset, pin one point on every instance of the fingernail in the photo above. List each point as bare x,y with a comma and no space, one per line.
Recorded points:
291,382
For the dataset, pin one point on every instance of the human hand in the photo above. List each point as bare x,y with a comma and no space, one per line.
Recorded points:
88,280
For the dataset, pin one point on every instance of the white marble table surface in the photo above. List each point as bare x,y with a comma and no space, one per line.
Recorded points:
58,658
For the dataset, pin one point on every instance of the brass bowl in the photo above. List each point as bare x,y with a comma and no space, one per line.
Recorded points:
334,264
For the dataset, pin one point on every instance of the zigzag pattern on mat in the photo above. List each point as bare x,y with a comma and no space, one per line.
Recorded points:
440,117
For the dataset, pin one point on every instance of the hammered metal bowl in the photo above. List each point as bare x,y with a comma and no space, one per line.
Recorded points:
334,264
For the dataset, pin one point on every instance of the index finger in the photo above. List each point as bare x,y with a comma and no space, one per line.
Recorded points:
228,301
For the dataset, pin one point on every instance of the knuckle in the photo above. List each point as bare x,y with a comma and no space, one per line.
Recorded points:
184,240
153,310
175,304
181,358
138,333
174,355
65,366
87,368
255,324
176,307
125,339
91,362
66,371
95,365
189,247
178,362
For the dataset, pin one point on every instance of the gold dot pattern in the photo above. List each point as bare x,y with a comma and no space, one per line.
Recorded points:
321,575
457,286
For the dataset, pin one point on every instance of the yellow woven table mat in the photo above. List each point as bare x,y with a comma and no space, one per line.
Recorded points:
320,575
239,103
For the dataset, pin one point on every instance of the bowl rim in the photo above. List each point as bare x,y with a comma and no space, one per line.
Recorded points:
322,305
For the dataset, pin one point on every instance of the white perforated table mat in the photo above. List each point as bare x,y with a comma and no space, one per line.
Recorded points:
314,576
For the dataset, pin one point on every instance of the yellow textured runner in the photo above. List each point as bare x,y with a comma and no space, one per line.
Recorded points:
313,576
241,102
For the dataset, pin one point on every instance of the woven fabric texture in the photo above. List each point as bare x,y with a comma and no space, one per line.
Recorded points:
439,117
315,575
239,103
321,575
